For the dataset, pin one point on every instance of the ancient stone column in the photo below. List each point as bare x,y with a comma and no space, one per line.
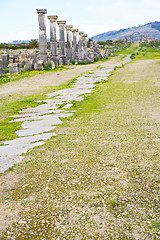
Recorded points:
140,38
147,39
42,35
75,44
81,52
62,47
69,41
53,39
95,49
85,46
91,51
131,38
2,72
126,39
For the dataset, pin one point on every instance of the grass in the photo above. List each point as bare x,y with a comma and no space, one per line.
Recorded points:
128,51
7,129
100,179
14,106
147,52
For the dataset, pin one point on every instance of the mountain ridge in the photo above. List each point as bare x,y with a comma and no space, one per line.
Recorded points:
151,30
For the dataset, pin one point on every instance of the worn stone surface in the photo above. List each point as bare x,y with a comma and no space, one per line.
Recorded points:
69,42
75,44
53,40
14,67
39,123
42,35
62,47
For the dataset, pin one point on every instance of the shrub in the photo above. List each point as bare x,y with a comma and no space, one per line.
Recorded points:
72,61
132,56
96,59
48,66
81,63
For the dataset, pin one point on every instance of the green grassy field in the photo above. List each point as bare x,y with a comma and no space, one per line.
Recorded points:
99,178
148,52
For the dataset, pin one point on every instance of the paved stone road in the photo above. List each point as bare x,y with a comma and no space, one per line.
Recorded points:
39,122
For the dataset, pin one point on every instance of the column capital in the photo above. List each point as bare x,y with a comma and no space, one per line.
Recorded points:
62,22
69,27
81,33
52,18
75,30
85,35
41,11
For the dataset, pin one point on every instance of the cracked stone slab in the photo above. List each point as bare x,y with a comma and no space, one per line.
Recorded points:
8,161
39,121
21,145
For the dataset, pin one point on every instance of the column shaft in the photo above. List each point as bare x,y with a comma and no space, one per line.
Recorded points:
69,41
81,52
53,39
75,44
62,47
42,35
85,46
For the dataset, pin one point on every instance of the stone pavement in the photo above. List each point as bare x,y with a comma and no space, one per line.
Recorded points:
38,123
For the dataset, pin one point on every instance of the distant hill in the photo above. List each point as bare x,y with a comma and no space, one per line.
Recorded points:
149,29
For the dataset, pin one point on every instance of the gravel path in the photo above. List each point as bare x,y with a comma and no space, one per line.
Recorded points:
40,121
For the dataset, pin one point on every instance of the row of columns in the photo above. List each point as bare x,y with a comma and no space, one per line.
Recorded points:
75,49
140,38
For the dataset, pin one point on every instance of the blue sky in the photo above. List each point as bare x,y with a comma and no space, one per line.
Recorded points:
19,20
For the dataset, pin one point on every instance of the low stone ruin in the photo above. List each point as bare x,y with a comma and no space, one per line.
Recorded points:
71,47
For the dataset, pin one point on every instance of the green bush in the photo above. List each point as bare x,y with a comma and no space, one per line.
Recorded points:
96,59
6,71
72,61
48,66
81,63
132,56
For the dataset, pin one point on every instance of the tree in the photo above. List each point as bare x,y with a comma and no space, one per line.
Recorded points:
33,43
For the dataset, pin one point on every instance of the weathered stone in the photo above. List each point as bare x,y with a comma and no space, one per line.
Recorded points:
29,64
85,46
1,63
52,64
53,40
14,68
42,35
62,47
2,72
91,52
81,52
69,42
112,53
75,44
39,65
5,60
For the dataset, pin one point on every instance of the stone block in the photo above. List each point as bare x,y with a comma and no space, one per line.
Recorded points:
14,68
39,65
5,60
55,60
1,63
52,64
28,67
2,72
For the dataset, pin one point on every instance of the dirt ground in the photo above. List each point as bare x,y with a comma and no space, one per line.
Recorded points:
27,86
